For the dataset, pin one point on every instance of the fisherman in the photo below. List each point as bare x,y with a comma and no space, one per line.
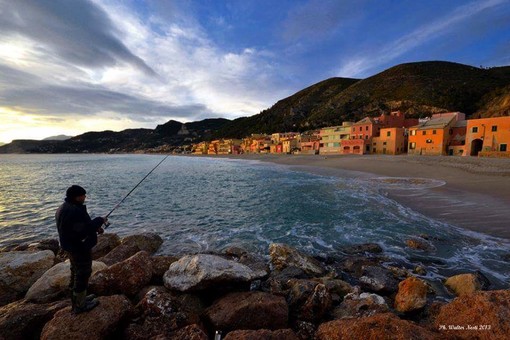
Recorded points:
78,235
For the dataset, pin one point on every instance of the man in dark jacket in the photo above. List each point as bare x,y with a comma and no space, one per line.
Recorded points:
78,235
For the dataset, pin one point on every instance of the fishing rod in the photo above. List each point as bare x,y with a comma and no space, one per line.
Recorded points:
107,224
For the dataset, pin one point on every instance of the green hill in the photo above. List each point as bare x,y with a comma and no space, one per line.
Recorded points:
418,89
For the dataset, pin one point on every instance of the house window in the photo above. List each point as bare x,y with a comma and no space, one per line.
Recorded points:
494,128
388,133
366,137
366,128
413,132
361,128
429,141
375,144
336,145
412,145
433,132
502,147
384,143
474,129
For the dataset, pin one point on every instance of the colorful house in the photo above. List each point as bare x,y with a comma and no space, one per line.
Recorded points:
229,147
310,144
276,138
290,144
201,148
433,136
391,141
488,137
332,137
213,147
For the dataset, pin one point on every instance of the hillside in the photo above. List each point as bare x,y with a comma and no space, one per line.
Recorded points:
288,114
495,104
418,89
171,134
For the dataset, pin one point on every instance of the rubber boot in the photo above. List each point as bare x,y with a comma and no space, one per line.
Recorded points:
89,297
81,304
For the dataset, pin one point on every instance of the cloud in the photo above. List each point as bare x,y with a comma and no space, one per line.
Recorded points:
78,31
361,65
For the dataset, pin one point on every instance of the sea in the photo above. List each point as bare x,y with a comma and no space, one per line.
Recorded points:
207,204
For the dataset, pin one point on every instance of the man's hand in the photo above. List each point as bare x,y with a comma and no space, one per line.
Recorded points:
100,230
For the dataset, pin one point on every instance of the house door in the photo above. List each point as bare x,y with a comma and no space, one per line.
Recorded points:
476,147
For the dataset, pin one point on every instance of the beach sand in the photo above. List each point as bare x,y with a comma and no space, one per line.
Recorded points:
475,194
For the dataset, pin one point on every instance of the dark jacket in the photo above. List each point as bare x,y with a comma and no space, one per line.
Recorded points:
76,230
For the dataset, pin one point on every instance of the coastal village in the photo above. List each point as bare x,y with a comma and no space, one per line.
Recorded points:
392,134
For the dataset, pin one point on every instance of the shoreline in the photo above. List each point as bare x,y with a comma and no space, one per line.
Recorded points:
475,195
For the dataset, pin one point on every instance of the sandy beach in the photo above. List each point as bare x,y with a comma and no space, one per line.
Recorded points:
473,193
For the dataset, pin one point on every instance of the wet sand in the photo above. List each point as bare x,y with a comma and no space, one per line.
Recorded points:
475,194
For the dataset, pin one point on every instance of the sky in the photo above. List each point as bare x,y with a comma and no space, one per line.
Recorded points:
68,67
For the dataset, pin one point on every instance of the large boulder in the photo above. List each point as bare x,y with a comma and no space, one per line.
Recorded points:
463,284
130,245
356,305
248,310
24,320
119,254
262,334
162,313
255,262
378,280
191,332
55,282
149,242
127,277
202,271
380,326
412,295
105,243
419,244
99,323
160,265
308,300
19,270
282,256
481,315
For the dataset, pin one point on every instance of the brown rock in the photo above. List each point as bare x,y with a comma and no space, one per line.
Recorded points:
418,244
488,311
262,334
283,256
19,270
363,305
308,300
463,284
105,243
379,280
99,323
381,326
412,295
23,320
191,332
119,254
248,310
127,277
149,242
160,265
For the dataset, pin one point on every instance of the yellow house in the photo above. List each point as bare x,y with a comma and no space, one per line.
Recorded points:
213,147
290,144
229,146
332,137
201,148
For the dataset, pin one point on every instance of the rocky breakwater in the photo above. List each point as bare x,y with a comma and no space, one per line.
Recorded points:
284,294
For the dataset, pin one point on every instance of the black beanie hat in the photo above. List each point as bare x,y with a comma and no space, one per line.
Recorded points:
75,191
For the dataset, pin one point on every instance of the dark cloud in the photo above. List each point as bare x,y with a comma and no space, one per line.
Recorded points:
32,94
78,31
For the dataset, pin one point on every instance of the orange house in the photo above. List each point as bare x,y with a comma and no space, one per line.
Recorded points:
213,147
433,136
391,141
488,137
